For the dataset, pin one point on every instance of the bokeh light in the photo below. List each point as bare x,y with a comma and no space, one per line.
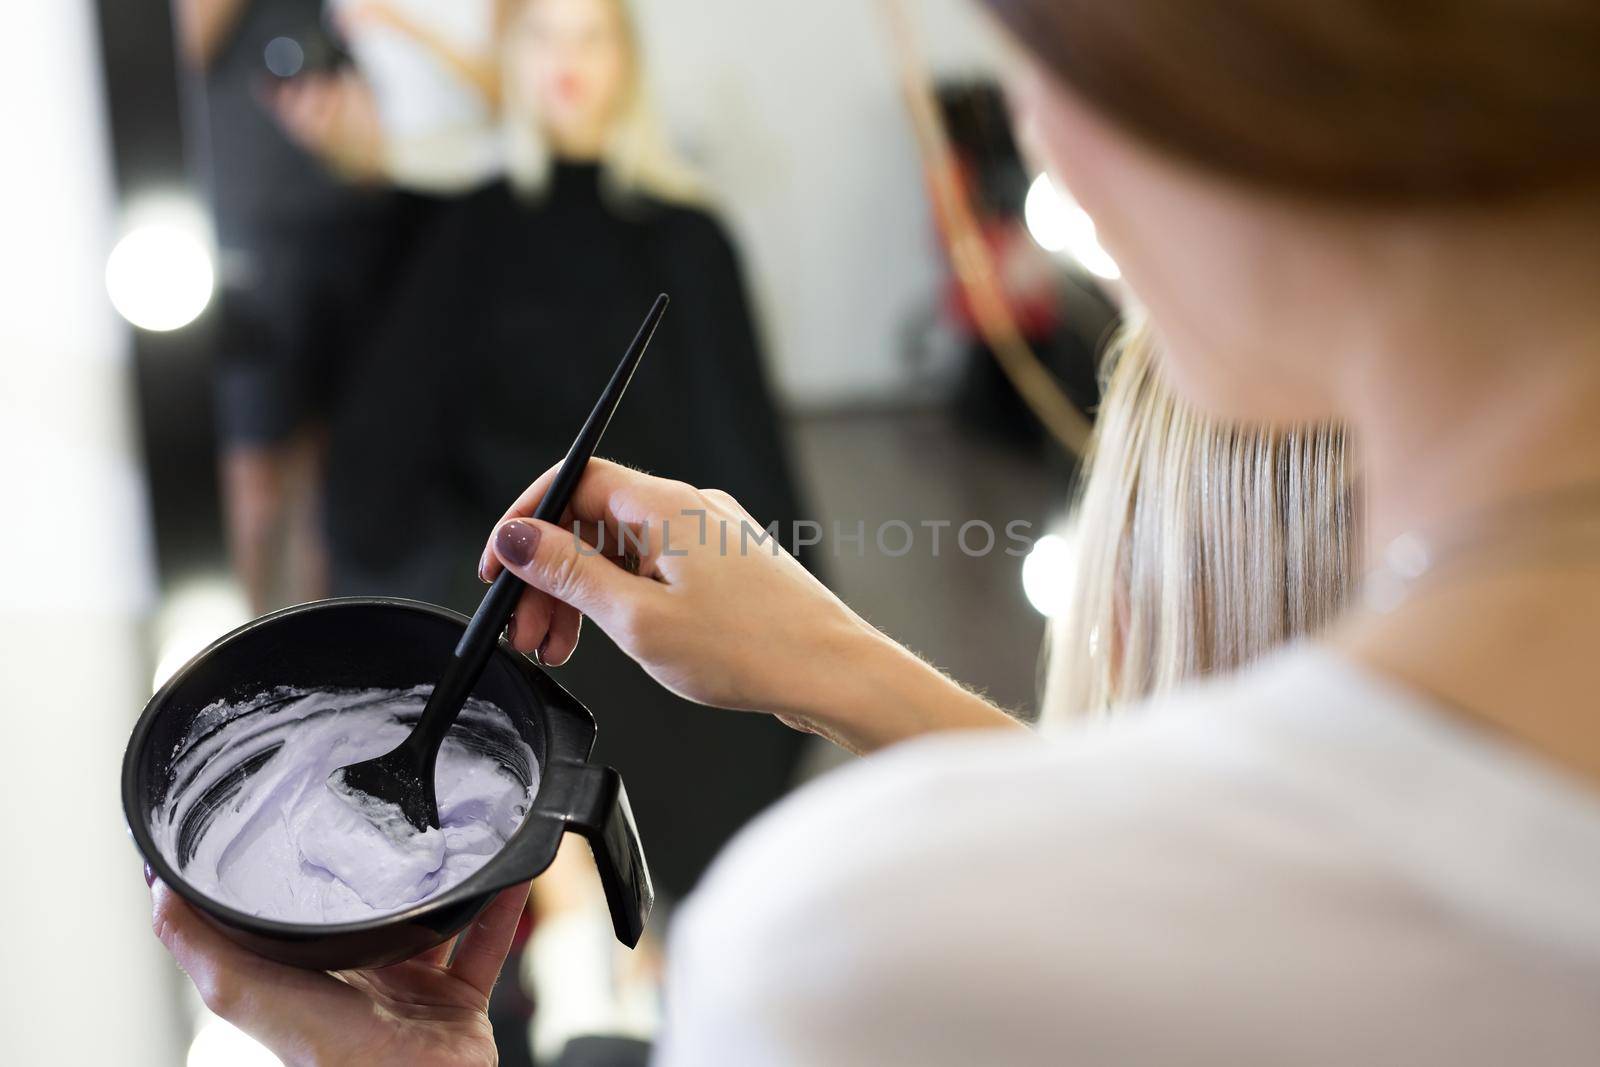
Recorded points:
160,275
1058,224
195,615
1047,575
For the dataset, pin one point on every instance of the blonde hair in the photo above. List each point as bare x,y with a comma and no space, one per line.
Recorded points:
1201,544
637,159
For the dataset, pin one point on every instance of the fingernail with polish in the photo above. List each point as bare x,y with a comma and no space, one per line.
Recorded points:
483,566
516,542
149,876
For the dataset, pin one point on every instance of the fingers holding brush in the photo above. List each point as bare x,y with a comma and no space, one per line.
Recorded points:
610,498
606,528
531,625
545,627
566,576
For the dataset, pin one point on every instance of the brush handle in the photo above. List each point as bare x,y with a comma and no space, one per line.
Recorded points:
482,635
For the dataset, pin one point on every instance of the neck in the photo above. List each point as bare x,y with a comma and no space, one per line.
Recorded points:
578,145
1473,390
1475,393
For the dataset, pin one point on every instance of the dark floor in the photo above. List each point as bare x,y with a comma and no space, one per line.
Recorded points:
966,614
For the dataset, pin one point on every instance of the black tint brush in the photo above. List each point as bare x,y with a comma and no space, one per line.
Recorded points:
403,777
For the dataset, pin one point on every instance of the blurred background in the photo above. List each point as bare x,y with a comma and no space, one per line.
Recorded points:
300,293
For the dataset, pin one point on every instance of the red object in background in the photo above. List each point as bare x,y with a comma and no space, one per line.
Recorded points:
525,924
1028,276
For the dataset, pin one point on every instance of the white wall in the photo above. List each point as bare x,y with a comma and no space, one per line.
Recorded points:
794,112
83,980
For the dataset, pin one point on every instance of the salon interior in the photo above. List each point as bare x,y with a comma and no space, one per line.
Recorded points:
302,293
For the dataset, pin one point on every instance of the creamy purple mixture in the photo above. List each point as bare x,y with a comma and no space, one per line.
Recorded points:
280,844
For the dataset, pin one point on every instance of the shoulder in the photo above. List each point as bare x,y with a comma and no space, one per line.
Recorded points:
951,809
498,200
695,229
1302,864
992,876
434,223
909,805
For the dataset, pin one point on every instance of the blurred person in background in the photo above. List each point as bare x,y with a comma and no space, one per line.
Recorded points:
531,288
301,246
327,167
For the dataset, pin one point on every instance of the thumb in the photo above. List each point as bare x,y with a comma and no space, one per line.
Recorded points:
555,561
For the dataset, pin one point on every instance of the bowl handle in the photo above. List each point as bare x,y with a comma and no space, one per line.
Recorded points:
592,801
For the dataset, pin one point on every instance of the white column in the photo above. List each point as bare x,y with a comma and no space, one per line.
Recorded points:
84,981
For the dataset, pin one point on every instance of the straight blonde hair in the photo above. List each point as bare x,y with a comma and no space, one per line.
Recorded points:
1201,544
638,161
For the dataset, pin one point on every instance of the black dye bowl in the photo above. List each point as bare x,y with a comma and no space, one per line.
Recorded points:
373,643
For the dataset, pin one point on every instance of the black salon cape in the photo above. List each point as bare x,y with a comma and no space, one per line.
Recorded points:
511,320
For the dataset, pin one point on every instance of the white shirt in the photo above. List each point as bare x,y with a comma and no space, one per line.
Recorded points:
1301,865
440,133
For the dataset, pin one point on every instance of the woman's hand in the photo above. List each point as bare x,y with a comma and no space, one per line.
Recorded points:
332,116
353,17
715,609
427,1011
